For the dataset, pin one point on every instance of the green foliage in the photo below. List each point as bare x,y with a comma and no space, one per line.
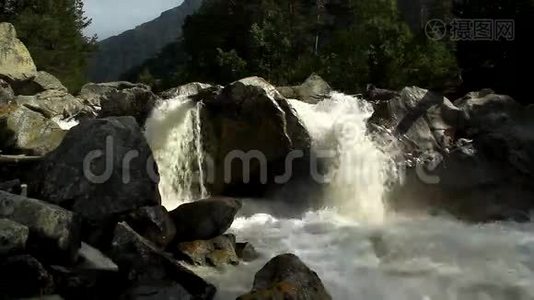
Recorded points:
52,31
349,42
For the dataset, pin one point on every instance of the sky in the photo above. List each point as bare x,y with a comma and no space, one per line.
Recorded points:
111,17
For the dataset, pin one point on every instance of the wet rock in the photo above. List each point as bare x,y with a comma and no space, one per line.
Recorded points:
376,94
246,252
24,276
153,223
249,122
54,232
120,99
287,277
185,90
13,237
217,252
204,219
16,62
312,91
23,130
143,264
102,169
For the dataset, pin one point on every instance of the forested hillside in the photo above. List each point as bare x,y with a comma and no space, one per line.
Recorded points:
52,31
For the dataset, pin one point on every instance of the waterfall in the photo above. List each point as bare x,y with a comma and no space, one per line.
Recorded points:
357,177
173,131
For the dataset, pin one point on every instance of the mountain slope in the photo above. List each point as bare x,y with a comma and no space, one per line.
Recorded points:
123,52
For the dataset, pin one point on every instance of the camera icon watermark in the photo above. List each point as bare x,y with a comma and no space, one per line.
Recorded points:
471,29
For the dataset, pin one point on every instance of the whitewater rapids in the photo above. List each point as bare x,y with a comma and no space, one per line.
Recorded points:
358,248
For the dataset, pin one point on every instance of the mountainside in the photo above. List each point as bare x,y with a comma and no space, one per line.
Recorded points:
120,53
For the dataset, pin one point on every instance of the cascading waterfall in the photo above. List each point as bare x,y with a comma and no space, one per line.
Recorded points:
173,133
356,184
358,250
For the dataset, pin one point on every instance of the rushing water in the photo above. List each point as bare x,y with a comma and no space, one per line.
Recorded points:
358,248
173,132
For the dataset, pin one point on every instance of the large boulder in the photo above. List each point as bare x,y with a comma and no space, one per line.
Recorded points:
287,277
102,169
120,99
23,276
423,120
13,237
312,91
54,103
54,231
217,252
248,130
144,264
204,219
16,62
39,82
154,224
26,130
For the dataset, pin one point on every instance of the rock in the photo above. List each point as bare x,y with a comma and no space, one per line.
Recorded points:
160,291
287,277
16,62
6,93
204,219
120,99
54,232
217,252
23,276
25,130
312,91
154,224
102,169
185,90
485,110
54,103
249,123
246,252
376,94
92,259
40,82
13,237
144,264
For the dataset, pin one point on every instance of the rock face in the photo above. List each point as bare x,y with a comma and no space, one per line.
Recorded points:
143,264
249,125
55,231
53,103
153,223
312,91
16,62
102,169
23,276
472,158
217,252
204,219
6,93
287,277
13,237
22,129
120,99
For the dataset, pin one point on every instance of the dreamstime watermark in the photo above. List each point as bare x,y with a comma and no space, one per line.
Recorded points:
99,166
471,29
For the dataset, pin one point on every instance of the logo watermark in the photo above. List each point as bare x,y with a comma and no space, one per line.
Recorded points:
471,29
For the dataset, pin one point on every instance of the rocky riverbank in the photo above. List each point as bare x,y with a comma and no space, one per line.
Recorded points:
80,209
